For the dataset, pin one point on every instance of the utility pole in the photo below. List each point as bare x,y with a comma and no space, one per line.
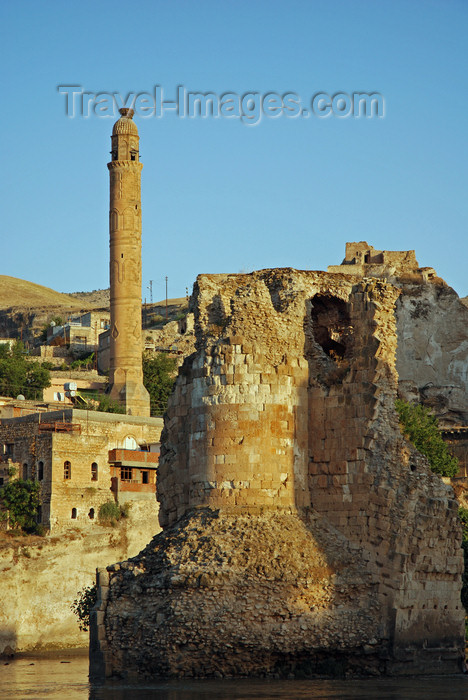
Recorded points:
166,297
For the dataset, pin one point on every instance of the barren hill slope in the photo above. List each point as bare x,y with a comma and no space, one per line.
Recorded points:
18,293
25,307
15,292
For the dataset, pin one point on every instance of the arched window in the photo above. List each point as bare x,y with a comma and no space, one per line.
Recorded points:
73,514
91,514
114,220
40,471
25,471
130,443
94,471
67,470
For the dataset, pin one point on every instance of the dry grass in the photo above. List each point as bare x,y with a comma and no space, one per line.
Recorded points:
16,292
21,294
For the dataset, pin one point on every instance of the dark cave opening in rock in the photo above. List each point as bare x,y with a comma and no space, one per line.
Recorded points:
331,326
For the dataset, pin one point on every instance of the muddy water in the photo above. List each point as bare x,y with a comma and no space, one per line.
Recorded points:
65,677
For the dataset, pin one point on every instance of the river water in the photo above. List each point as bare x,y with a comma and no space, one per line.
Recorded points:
65,677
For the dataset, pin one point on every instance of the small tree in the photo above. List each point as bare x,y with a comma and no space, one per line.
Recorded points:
20,376
82,605
158,378
20,498
421,428
111,512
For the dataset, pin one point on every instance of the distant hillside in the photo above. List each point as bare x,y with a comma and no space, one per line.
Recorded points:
464,300
16,293
26,307
98,297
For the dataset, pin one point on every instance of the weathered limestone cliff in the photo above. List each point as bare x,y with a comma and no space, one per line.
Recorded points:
432,329
432,354
301,532
41,576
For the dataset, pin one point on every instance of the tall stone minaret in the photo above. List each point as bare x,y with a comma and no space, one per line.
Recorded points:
126,373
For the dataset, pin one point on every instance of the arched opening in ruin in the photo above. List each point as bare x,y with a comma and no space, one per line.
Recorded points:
331,326
73,513
91,514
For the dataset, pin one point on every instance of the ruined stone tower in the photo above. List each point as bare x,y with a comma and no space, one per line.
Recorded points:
126,373
302,533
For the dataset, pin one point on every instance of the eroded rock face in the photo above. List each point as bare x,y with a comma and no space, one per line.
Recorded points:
298,523
432,355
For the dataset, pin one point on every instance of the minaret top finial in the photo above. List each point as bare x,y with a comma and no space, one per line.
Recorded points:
127,112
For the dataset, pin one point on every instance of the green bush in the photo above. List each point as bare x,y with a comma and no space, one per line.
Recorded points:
108,405
158,378
20,376
86,362
48,365
82,605
109,513
20,502
420,427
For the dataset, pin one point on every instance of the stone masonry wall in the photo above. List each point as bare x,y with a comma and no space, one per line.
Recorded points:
280,439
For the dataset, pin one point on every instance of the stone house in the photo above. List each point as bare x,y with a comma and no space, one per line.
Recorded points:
176,337
80,333
82,459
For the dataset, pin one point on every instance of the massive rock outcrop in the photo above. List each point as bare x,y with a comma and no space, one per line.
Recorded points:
432,354
432,329
301,532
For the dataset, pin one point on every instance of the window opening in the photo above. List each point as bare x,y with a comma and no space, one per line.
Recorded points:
67,470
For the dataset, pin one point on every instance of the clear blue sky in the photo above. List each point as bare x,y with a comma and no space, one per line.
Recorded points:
219,195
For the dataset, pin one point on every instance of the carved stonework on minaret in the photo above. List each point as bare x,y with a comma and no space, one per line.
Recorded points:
126,373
